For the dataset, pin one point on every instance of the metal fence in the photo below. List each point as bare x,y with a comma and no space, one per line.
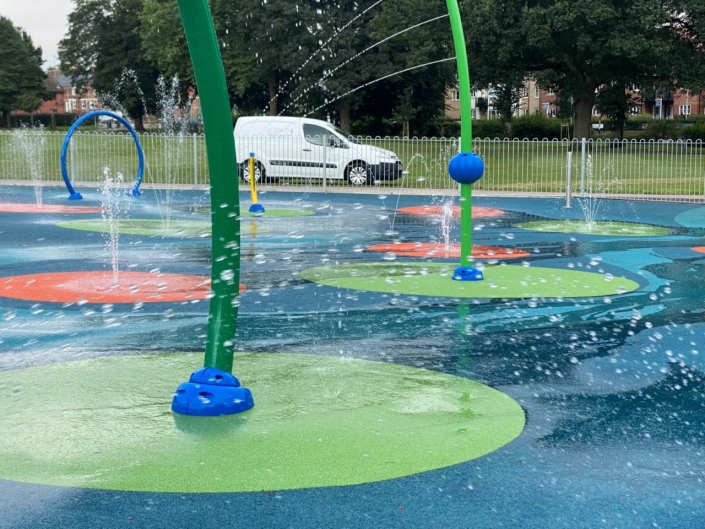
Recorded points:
650,170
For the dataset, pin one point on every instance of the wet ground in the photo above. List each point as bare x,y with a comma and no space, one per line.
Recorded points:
612,387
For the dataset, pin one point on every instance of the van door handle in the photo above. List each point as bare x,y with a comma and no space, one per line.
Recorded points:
307,150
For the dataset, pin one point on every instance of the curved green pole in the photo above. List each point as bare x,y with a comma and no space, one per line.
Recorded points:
461,57
225,206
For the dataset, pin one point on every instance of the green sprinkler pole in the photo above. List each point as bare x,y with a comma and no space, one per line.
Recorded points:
222,163
461,57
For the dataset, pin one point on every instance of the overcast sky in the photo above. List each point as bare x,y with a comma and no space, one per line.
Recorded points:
44,20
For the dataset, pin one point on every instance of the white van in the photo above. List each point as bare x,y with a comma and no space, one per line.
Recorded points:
287,147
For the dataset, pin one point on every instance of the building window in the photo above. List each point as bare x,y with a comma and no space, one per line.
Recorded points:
455,95
635,110
545,108
73,91
551,112
551,92
684,110
537,92
524,92
596,112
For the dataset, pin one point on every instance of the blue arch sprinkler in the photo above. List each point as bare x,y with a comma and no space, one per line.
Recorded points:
75,195
466,168
213,390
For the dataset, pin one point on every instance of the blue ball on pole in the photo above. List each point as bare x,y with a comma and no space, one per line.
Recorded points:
466,168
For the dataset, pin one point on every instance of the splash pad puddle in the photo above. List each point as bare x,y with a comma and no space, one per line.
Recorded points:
442,251
503,282
9,207
98,287
623,229
157,227
113,430
437,211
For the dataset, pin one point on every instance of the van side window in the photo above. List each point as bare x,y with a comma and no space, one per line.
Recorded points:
314,134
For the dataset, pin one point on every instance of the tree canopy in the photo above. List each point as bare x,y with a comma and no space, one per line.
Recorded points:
579,46
21,75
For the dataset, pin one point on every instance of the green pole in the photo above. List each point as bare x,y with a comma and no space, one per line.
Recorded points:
225,205
461,57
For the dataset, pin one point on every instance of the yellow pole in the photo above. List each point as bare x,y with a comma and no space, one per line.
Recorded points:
255,207
253,183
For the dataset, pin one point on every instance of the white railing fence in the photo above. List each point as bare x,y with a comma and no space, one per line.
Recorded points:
650,170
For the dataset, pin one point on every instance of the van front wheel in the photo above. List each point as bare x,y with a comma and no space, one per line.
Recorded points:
358,173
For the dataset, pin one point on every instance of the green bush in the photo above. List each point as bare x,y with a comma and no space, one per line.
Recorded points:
695,132
662,129
639,122
444,128
62,120
536,126
488,128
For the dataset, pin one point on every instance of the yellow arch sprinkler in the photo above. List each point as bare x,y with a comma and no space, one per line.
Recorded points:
213,390
256,207
466,167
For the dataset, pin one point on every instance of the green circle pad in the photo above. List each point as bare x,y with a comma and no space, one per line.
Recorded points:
434,279
157,227
318,421
623,229
271,212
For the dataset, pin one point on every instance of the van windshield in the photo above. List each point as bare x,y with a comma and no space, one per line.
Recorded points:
344,134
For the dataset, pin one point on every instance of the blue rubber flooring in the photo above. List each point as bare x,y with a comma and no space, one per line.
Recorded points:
613,388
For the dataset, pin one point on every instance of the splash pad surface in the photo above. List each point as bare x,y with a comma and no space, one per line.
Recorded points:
600,378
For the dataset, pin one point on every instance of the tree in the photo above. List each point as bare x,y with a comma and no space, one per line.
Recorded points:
104,48
21,75
580,45
164,44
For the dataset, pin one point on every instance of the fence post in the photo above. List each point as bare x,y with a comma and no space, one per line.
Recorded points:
72,174
582,170
568,178
325,162
195,160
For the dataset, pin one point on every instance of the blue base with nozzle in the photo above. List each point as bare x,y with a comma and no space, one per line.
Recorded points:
467,273
256,208
76,196
211,392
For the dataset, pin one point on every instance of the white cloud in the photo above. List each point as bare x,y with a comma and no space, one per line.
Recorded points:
44,20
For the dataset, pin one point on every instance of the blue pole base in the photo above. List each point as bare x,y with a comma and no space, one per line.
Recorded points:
211,392
256,208
134,192
467,273
75,196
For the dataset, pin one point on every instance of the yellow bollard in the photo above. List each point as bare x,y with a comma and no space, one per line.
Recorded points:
255,207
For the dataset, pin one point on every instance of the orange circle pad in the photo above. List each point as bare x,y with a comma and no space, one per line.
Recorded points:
98,287
9,207
441,251
437,211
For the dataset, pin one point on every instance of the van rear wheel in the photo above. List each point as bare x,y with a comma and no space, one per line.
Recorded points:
245,172
358,173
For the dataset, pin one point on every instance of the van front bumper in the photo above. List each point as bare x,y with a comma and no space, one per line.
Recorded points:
388,170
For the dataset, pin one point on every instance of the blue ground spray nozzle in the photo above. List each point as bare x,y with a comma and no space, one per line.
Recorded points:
211,392
256,208
467,273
